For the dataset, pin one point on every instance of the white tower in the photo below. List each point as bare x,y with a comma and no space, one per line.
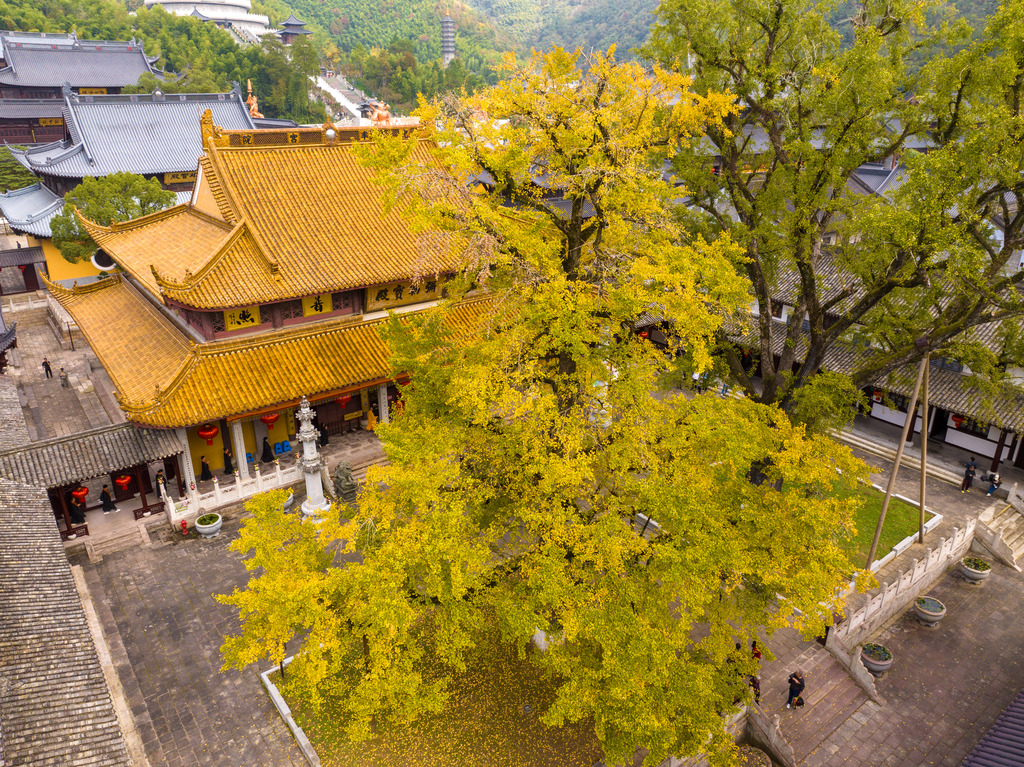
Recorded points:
315,504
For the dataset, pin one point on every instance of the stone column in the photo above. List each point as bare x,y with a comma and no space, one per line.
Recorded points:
238,442
310,463
382,403
186,456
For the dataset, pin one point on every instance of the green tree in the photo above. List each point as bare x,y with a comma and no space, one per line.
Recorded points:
917,268
118,197
535,480
13,175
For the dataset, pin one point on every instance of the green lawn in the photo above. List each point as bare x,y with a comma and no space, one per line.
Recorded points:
900,521
483,725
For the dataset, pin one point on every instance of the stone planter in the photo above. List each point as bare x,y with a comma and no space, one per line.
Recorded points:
209,529
974,569
287,505
876,658
929,611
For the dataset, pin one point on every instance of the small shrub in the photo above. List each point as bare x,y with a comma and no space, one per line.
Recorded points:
877,652
207,519
976,563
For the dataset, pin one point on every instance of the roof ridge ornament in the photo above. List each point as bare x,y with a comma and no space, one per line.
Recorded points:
212,134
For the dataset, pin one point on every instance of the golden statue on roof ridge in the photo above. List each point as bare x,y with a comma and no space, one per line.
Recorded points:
252,102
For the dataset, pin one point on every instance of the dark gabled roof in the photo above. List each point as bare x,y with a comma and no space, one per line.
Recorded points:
291,21
21,256
67,460
136,133
1003,744
14,109
7,340
31,209
57,61
55,708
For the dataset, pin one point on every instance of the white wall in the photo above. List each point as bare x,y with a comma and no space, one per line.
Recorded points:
896,417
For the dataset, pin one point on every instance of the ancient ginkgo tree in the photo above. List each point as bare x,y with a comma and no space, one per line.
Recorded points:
538,480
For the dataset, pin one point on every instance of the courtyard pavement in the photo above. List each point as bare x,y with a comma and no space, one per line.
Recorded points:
164,630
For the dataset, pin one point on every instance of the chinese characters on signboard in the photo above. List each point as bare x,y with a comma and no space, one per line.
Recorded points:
238,319
187,177
403,293
313,305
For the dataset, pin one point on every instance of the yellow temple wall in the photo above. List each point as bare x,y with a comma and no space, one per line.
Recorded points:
214,453
60,268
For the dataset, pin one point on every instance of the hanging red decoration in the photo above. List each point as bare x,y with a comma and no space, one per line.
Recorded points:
643,334
21,266
207,431
123,481
877,395
343,400
958,421
270,419
79,493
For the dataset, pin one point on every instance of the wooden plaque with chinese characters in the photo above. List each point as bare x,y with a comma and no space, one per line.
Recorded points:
188,177
314,305
394,294
238,319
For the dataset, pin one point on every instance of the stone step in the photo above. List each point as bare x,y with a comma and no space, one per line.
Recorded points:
132,536
910,460
826,708
996,515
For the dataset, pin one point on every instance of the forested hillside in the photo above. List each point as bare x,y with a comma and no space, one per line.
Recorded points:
544,24
208,56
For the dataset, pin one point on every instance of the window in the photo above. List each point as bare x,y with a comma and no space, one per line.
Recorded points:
341,302
777,309
218,322
266,317
291,310
973,426
947,364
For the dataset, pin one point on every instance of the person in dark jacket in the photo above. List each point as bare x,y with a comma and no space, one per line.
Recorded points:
106,500
206,475
77,512
229,466
796,686
268,451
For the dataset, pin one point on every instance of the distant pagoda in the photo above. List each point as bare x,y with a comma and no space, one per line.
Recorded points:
292,28
447,39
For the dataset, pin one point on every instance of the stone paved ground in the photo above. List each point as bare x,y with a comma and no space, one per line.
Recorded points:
49,410
165,630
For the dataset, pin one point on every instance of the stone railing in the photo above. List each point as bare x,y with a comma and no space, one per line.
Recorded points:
23,302
196,503
900,594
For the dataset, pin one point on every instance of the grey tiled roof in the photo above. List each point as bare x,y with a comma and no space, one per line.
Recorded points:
14,109
134,133
67,460
1003,744
31,209
55,708
947,389
52,63
8,336
14,433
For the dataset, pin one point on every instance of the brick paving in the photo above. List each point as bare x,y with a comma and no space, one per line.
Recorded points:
51,411
165,630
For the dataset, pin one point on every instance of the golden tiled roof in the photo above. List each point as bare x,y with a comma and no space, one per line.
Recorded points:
176,242
165,379
138,345
307,220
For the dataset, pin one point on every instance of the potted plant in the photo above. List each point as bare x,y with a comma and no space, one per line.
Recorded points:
929,611
208,525
287,505
876,658
975,569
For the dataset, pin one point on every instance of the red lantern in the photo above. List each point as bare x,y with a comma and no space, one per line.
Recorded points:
22,267
343,400
958,421
79,493
207,431
270,419
876,395
643,334
123,481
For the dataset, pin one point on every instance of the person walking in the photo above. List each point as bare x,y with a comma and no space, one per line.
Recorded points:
229,466
106,500
46,368
64,382
205,474
796,686
970,470
268,452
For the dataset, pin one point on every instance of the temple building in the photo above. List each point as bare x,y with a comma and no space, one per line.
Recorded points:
154,135
270,284
37,67
292,29
233,15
